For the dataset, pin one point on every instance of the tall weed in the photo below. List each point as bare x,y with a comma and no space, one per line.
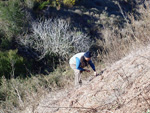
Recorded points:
120,40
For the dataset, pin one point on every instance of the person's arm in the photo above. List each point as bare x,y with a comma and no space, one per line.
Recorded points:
92,65
78,64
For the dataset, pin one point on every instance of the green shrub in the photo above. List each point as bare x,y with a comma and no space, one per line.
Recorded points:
44,4
52,3
5,43
12,17
11,64
5,66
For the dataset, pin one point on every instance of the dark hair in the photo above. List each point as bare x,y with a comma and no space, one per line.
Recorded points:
83,62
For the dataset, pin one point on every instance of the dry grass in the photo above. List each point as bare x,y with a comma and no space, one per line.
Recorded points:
120,41
124,88
18,94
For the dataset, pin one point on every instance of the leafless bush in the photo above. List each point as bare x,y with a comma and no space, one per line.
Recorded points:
55,36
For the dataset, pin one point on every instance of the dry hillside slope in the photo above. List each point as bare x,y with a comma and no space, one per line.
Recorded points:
124,87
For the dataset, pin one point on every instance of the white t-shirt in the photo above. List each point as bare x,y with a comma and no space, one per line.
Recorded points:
73,59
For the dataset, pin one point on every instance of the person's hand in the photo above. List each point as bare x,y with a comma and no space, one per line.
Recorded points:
87,70
95,73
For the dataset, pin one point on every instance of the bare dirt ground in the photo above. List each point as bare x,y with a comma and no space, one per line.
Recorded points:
123,87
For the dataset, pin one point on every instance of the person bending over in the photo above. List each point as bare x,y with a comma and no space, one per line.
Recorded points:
78,62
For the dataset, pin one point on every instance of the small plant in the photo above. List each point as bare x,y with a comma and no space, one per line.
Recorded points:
44,4
69,3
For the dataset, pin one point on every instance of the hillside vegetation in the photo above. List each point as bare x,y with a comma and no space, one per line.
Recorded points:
123,87
37,38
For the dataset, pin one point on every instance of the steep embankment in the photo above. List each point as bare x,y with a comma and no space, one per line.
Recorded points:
122,88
